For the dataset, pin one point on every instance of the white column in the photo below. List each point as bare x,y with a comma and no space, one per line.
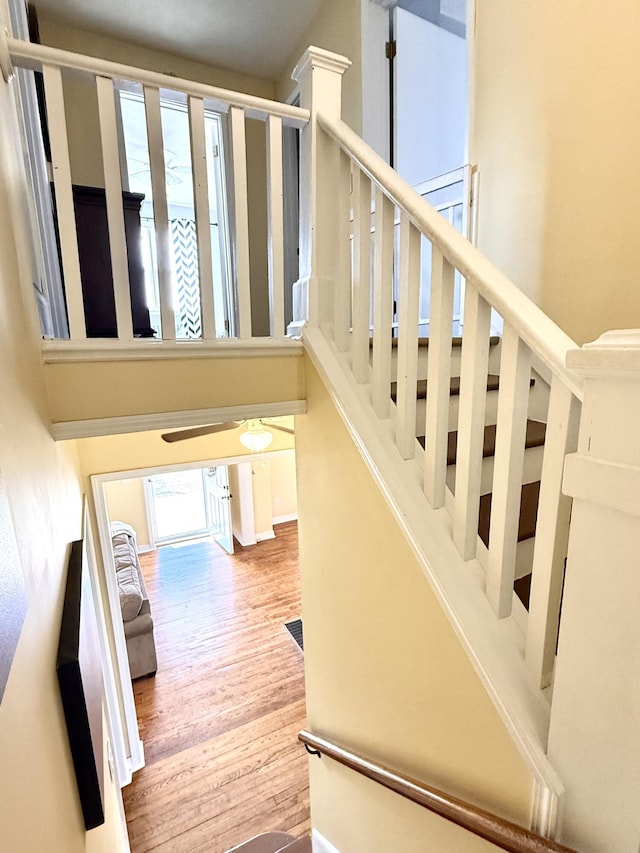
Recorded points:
319,75
594,736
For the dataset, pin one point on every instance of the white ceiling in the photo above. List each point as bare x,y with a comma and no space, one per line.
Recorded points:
252,36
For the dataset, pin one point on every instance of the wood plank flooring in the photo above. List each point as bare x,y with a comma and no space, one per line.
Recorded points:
220,719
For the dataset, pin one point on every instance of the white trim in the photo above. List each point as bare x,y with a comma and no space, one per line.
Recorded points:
5,56
494,646
133,473
282,519
63,430
267,534
319,843
602,482
34,56
135,756
246,543
117,743
149,349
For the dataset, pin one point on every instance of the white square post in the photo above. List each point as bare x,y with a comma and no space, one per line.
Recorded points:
594,736
319,75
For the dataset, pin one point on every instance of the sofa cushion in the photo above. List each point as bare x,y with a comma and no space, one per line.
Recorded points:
130,592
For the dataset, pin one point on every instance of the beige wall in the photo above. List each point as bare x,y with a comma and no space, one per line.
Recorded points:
84,132
284,497
335,27
111,453
385,673
81,391
555,134
39,805
261,483
126,502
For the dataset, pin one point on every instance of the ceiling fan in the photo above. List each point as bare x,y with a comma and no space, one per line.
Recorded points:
256,437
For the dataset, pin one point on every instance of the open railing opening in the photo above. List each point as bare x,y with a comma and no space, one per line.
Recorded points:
167,223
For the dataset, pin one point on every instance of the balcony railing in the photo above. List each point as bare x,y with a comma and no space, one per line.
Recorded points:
102,77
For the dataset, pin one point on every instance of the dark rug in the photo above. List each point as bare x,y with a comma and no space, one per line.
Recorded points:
295,629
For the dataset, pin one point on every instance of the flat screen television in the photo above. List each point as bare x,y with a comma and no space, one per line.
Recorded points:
79,668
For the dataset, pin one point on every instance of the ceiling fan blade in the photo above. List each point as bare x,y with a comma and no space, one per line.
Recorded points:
281,428
195,432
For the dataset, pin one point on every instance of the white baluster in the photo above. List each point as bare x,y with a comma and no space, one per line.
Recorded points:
342,280
241,220
438,378
382,304
408,312
552,533
513,401
115,214
361,275
275,219
64,201
471,416
160,211
203,217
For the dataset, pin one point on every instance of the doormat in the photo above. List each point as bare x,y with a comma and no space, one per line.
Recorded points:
295,629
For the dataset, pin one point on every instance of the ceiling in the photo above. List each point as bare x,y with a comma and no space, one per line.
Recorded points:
254,37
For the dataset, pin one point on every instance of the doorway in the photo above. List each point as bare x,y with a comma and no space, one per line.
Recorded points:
227,666
429,57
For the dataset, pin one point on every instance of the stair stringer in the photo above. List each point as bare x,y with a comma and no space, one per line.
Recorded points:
495,647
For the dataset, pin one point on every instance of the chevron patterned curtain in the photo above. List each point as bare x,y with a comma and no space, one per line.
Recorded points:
185,264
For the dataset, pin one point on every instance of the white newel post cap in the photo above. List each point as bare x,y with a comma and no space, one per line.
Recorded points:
319,75
615,353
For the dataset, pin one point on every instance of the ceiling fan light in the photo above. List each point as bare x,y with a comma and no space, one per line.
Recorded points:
256,438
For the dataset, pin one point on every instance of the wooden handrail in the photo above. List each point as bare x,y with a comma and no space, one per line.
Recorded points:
504,834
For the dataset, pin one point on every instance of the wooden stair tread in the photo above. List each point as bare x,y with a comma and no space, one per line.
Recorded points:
456,341
528,513
493,383
522,588
534,438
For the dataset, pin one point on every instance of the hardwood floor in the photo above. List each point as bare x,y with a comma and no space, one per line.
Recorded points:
220,719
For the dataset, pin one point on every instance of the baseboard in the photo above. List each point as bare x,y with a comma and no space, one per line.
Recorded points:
268,534
319,843
244,542
281,519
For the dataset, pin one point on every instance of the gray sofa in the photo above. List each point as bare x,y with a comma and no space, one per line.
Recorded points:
134,601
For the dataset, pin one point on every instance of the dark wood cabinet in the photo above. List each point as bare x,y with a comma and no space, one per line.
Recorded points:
95,262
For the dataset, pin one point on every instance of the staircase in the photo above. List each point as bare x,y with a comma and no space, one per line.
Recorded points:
274,842
533,452
478,443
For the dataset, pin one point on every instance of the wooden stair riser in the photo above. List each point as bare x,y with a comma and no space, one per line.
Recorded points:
524,551
491,412
456,353
531,470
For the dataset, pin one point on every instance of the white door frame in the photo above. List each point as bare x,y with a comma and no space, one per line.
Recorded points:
129,743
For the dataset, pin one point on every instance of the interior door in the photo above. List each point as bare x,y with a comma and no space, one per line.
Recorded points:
219,501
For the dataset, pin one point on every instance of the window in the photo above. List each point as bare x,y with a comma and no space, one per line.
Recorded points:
180,203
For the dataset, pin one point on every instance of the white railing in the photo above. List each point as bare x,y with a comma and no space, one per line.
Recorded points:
529,335
53,63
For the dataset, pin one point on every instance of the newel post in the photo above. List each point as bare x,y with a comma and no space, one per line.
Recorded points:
319,75
594,736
